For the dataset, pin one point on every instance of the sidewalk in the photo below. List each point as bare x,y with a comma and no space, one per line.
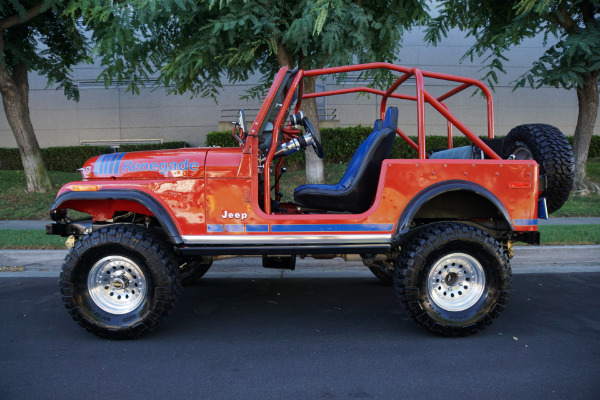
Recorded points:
41,224
527,260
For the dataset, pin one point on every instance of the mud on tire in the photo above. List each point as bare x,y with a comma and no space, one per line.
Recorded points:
120,282
452,279
551,150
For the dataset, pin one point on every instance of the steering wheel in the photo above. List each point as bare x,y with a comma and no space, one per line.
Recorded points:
316,143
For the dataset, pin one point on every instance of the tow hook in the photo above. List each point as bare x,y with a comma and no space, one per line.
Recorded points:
70,242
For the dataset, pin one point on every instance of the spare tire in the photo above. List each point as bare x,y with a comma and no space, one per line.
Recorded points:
551,150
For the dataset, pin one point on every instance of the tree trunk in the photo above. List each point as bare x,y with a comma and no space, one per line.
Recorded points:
587,97
314,165
15,98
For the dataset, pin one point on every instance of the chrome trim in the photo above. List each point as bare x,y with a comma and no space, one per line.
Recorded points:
286,239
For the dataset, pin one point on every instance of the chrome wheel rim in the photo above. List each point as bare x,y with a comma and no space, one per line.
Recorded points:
456,282
117,284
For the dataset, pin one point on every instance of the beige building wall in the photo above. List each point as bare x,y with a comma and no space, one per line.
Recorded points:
114,114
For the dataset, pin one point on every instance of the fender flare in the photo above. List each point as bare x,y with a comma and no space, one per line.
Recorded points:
430,192
146,200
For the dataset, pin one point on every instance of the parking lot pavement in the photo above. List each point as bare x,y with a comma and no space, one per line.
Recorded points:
527,259
306,338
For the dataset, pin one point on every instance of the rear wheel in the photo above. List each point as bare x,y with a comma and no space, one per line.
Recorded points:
120,282
453,279
551,150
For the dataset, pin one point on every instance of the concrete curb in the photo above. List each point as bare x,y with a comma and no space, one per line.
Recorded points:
527,259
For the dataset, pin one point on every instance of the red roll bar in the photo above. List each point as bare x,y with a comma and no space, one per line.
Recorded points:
421,97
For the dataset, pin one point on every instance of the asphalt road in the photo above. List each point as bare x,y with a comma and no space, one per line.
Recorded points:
305,338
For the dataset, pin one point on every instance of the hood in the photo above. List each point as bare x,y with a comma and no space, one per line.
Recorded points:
156,164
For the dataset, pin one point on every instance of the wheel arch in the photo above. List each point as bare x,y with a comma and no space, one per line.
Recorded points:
146,201
425,202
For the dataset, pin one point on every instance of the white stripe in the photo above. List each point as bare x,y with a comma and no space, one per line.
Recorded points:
287,239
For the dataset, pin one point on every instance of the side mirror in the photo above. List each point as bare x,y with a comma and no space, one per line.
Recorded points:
242,121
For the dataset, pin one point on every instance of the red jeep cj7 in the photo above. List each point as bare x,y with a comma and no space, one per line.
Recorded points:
440,227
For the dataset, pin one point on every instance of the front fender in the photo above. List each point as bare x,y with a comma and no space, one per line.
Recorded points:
143,199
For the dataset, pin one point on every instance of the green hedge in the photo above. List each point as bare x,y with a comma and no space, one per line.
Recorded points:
340,143
69,159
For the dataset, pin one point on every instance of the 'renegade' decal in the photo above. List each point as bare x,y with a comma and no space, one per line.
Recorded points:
113,164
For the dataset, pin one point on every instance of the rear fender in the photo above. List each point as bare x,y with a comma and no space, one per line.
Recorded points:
423,204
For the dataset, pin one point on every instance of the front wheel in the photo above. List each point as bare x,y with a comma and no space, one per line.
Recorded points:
453,279
120,282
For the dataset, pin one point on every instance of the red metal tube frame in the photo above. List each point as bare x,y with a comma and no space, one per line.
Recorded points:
274,138
421,97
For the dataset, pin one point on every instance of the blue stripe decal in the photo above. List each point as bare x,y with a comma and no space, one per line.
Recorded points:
257,228
115,170
234,228
333,228
98,164
108,164
104,165
111,163
214,228
525,221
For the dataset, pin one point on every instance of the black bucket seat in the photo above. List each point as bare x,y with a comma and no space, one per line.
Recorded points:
356,190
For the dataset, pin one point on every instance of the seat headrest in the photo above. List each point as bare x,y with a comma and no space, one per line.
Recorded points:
391,118
378,125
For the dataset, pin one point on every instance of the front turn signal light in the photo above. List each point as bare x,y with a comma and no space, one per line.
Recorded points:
84,188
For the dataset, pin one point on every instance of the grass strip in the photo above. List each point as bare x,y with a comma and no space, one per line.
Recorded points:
569,234
29,239
550,236
16,203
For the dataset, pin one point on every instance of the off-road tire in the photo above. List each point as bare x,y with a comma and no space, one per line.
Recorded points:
473,279
380,269
193,268
382,272
132,258
552,151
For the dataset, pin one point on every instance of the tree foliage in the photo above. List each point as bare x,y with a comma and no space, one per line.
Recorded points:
35,35
39,35
570,30
194,46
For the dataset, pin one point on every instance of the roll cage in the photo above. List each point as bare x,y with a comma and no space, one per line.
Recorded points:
288,86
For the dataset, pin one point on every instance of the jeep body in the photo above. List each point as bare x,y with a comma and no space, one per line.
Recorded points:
209,202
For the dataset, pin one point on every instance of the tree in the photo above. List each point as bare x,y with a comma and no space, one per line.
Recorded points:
571,62
35,36
195,45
